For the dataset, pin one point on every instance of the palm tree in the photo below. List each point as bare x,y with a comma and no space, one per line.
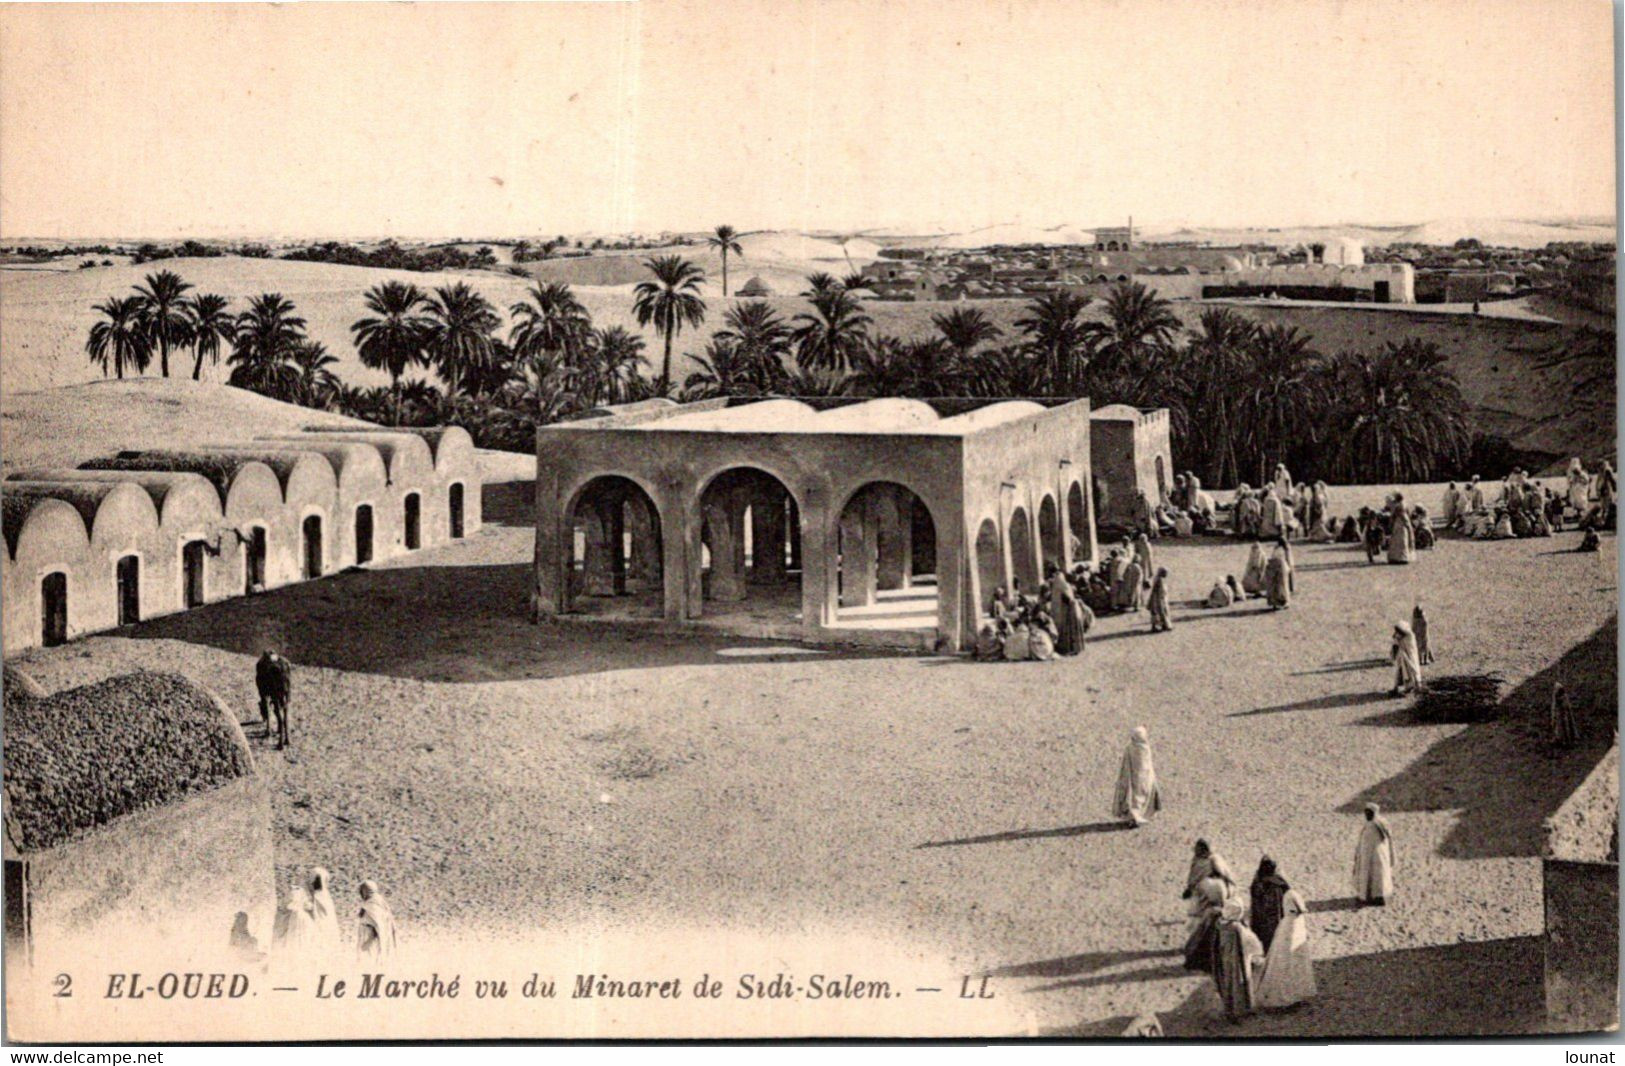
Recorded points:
1283,397
1216,365
811,381
855,280
820,283
163,300
393,338
827,338
1400,414
268,336
461,333
725,369
1139,326
121,338
725,240
670,301
314,383
550,321
964,328
1056,334
617,362
1008,370
762,337
211,324
880,367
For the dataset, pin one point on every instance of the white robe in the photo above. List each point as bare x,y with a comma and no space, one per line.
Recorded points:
324,937
1136,798
1407,661
1289,968
1373,863
375,931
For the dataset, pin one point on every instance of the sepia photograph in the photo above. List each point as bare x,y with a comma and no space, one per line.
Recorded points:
765,520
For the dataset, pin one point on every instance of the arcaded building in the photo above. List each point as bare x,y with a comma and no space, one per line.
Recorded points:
149,532
887,521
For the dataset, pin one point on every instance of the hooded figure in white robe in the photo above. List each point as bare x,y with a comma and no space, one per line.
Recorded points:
1221,596
1475,495
1234,964
1282,482
1136,799
1452,505
295,928
375,926
1289,968
324,919
1407,660
1252,578
1273,523
1374,859
1579,487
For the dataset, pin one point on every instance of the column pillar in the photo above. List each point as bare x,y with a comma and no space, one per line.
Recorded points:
767,538
857,557
722,536
895,528
597,570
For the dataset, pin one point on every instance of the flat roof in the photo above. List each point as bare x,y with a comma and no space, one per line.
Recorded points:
938,417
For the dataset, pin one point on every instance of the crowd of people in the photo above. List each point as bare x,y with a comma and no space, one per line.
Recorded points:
1255,946
307,927
1526,507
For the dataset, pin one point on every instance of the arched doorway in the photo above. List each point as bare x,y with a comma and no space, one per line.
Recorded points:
886,576
363,534
54,609
254,551
749,545
1077,518
413,515
989,565
1023,560
455,503
614,550
312,531
193,554
127,581
1049,532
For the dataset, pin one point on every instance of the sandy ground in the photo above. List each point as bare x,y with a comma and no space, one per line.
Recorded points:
496,775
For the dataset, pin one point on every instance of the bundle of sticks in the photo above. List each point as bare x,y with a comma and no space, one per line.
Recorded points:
1460,698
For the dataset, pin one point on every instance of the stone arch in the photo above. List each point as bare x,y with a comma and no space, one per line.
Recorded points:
746,537
614,546
1049,532
1023,557
876,551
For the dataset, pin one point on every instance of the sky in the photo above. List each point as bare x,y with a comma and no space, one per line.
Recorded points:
493,120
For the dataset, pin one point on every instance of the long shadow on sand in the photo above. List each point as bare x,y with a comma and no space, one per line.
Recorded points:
447,624
1031,834
1076,965
1503,772
1480,988
1333,702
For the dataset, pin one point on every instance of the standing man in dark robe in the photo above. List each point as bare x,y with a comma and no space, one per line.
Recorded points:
1268,891
273,676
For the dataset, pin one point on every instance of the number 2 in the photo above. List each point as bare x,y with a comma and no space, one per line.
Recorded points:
64,986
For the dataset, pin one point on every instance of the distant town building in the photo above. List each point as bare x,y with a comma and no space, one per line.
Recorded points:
755,287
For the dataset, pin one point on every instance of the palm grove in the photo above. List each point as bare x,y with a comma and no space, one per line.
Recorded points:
1242,395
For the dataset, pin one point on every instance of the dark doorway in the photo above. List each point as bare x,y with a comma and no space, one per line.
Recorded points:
313,546
254,561
414,521
54,608
128,578
192,571
457,511
1379,292
363,534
